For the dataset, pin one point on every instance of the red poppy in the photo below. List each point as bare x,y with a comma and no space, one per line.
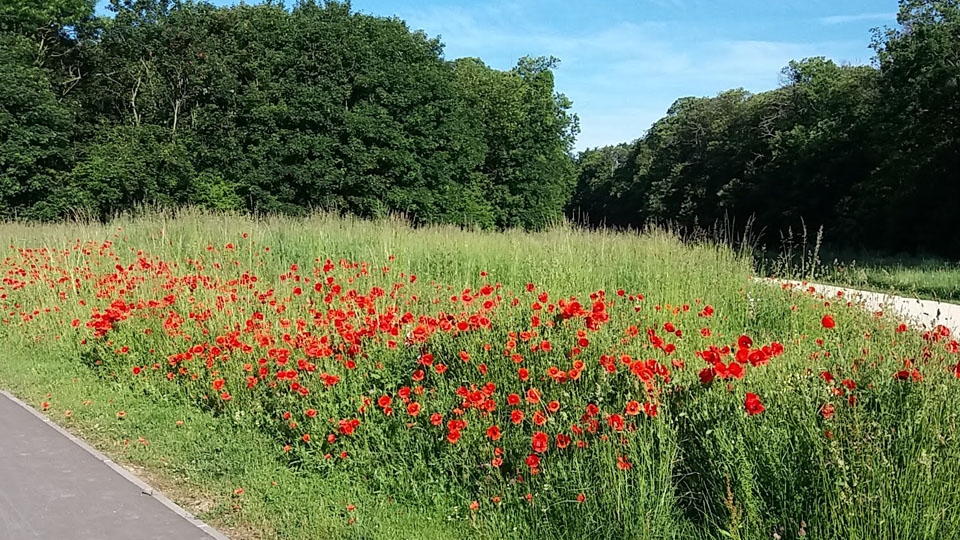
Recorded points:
735,370
493,432
540,442
453,436
827,321
752,404
650,409
827,411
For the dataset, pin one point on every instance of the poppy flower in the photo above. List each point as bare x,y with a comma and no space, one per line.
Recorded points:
827,411
752,404
735,370
828,322
453,436
540,442
650,409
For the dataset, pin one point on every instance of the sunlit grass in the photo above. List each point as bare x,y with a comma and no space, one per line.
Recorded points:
882,466
931,279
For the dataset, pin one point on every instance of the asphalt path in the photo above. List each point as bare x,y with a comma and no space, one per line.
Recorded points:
55,487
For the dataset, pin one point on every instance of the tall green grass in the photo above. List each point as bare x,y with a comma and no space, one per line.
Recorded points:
702,468
801,257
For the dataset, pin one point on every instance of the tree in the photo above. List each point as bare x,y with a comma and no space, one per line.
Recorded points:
130,166
604,184
913,200
527,135
35,128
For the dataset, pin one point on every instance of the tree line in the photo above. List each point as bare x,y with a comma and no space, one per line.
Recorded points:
871,153
269,109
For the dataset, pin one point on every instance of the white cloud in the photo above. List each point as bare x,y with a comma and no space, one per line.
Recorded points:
841,19
623,76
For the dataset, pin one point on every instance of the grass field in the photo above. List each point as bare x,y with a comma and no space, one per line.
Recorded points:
291,378
930,279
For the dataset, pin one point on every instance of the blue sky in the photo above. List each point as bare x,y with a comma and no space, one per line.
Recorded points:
623,62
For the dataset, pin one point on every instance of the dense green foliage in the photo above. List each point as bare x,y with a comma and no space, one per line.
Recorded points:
269,109
870,153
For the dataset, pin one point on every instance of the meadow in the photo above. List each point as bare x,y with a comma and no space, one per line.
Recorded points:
328,377
927,278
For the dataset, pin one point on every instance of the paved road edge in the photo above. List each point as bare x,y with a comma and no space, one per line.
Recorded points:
925,314
145,488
